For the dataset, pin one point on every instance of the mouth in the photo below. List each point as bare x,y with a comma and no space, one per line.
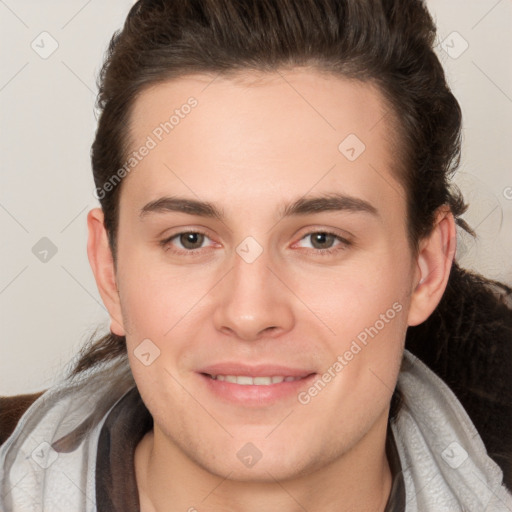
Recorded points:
247,380
255,389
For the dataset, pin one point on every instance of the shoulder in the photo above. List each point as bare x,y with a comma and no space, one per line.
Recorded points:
467,342
12,409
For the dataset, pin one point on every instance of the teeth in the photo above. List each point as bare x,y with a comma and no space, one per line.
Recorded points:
245,380
262,381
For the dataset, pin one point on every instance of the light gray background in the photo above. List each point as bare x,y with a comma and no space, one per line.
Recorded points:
48,309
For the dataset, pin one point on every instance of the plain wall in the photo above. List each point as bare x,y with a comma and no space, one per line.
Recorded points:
49,308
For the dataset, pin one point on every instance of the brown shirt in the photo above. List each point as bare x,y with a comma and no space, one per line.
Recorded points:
125,426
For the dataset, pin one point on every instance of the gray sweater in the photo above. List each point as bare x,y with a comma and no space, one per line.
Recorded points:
49,462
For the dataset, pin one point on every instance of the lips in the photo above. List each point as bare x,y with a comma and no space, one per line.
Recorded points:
254,385
262,370
246,380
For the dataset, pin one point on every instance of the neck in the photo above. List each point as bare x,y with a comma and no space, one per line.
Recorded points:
357,481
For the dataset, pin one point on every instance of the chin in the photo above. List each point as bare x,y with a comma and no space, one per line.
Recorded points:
259,460
262,472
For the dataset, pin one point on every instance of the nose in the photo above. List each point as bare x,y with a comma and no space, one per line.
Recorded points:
252,302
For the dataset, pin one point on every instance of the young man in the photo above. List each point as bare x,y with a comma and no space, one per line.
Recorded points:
258,254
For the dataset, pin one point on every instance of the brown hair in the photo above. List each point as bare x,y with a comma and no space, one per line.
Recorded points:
466,341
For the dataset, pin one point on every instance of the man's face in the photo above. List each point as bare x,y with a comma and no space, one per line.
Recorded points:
256,293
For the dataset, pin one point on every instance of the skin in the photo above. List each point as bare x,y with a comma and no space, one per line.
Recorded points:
253,144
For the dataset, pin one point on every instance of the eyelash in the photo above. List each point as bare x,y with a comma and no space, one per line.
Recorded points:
344,243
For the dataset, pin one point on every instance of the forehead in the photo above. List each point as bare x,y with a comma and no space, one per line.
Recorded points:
263,135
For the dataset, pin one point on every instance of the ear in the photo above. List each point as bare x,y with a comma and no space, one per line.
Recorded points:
102,264
433,265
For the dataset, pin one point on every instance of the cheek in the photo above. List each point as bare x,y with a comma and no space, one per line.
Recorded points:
353,297
368,314
161,306
155,295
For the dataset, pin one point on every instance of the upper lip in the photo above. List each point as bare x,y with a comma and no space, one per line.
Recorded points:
261,370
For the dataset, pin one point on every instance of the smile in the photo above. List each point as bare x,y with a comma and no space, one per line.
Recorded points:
246,380
254,391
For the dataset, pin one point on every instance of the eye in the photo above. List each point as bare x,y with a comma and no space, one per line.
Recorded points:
322,242
190,242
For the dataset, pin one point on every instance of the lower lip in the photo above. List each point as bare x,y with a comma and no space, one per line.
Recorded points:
252,395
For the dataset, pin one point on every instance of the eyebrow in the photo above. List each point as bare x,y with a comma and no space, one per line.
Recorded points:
301,206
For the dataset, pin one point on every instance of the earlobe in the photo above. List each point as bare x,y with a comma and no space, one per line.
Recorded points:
102,265
434,262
